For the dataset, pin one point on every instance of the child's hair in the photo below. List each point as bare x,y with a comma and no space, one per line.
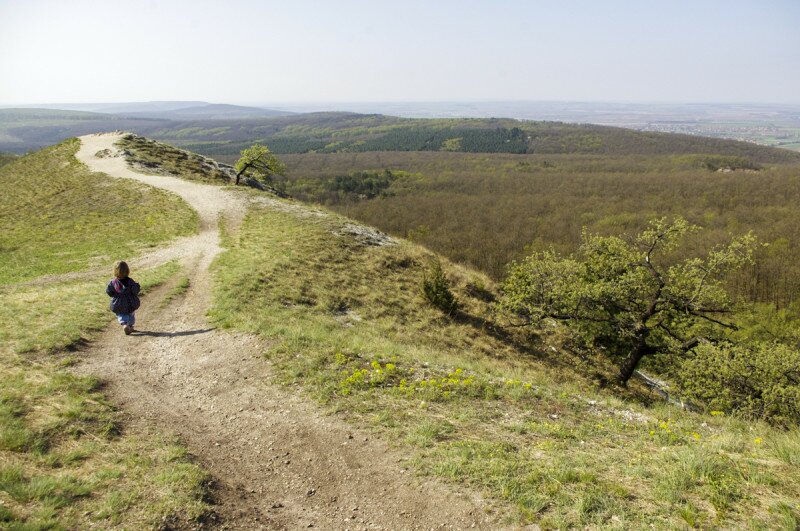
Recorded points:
121,270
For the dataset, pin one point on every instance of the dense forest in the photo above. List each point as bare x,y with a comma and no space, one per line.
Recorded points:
490,209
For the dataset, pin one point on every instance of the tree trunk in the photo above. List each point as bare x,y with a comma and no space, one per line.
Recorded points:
240,172
632,360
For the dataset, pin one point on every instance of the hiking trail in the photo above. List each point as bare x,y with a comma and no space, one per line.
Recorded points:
277,460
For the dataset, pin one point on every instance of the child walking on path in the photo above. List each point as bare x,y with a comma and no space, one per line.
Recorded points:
124,293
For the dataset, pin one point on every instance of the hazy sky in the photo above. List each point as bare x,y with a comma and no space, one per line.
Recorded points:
240,51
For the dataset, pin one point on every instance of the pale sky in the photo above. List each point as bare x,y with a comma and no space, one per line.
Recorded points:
251,52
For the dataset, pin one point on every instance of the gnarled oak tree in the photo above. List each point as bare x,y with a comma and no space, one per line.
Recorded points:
626,295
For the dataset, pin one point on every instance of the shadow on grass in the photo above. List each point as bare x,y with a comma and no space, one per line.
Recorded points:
152,333
600,374
501,334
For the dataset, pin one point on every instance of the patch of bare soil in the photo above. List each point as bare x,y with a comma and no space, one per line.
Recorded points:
278,461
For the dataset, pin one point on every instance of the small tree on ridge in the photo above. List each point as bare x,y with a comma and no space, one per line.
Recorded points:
260,163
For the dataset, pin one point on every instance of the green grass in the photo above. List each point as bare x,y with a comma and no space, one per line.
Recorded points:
66,461
59,217
33,323
477,407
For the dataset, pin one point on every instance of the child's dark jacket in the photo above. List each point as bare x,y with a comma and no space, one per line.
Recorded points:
124,295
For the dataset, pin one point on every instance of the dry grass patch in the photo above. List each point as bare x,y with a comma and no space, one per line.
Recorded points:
154,157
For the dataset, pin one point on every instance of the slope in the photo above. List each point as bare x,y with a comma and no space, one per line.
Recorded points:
335,308
525,419
269,451
475,402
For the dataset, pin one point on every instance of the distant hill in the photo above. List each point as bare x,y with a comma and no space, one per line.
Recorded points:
119,107
27,129
338,132
144,106
173,110
224,130
209,111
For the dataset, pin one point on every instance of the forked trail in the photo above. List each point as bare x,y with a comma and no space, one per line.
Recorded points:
279,462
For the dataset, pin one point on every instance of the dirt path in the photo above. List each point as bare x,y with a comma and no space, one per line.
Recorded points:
279,462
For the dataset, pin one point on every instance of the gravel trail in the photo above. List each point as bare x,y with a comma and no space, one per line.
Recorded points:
278,461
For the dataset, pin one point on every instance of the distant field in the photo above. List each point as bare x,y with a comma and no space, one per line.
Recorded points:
795,146
786,136
489,209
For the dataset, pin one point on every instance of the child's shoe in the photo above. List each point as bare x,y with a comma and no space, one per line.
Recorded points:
128,329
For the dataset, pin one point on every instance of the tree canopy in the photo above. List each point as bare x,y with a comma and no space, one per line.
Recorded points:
627,295
260,163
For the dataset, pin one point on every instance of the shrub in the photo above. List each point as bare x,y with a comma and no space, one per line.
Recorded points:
723,162
436,289
758,379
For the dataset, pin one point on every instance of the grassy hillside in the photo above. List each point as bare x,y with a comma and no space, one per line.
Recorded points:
154,157
58,217
65,462
471,402
514,414
475,401
488,209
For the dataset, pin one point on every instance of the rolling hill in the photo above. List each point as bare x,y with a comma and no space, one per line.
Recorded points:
223,131
209,111
23,130
350,132
523,419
